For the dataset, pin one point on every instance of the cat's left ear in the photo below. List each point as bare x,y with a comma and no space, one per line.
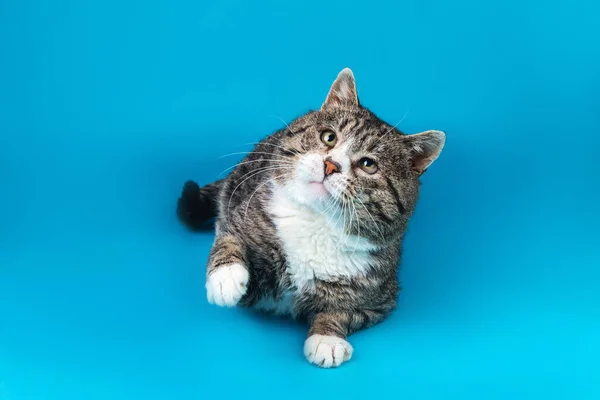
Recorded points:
343,91
424,148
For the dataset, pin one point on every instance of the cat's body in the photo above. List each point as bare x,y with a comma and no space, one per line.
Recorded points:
310,224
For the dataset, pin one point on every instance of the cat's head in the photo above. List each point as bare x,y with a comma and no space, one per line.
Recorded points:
342,159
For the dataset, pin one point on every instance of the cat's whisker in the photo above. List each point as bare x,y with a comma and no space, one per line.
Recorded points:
329,219
394,127
373,219
348,195
351,212
337,211
356,197
252,152
342,216
282,120
290,129
341,201
253,172
304,149
340,212
333,206
332,203
281,147
358,227
263,168
255,191
277,162
360,187
327,207
345,235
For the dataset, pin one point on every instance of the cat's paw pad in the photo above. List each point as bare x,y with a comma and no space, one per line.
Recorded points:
227,284
327,351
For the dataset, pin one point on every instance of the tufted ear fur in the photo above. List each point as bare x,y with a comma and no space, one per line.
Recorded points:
343,91
425,147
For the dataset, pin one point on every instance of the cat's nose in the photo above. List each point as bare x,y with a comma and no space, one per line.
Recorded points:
331,166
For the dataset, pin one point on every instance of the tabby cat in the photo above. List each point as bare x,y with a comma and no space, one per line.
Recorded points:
310,223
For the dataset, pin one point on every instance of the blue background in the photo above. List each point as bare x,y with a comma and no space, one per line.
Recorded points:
106,107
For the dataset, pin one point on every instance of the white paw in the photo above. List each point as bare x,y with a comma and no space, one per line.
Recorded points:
327,351
227,284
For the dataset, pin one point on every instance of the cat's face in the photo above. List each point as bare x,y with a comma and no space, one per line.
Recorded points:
345,162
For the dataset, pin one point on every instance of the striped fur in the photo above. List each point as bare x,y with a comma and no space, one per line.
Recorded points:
324,249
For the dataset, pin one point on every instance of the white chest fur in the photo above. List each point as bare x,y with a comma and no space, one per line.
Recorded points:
315,245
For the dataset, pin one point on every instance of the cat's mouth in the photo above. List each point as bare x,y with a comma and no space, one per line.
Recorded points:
318,188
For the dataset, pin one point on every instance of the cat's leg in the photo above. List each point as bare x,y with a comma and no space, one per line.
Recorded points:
198,204
326,345
226,274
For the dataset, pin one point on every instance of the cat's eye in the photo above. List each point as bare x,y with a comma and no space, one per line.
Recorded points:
329,138
368,165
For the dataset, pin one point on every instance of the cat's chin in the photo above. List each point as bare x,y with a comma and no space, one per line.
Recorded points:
318,190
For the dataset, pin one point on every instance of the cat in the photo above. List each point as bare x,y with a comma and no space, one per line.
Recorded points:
310,223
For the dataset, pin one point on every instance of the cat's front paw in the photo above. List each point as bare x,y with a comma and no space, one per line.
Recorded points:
227,284
327,351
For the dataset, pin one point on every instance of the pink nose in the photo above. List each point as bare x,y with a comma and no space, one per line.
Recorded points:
331,167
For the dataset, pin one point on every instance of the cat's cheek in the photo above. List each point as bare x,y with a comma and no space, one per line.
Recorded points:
310,168
335,185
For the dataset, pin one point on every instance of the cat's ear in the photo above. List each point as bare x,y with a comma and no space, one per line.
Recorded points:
424,148
343,91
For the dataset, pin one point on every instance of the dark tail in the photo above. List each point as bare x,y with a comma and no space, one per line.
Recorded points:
197,205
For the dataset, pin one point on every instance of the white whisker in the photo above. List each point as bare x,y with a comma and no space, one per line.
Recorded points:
358,227
274,145
255,191
249,152
373,219
394,127
344,214
350,221
253,172
277,162
333,203
329,206
286,124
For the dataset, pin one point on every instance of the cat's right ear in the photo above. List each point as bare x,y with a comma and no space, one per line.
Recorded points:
343,91
424,148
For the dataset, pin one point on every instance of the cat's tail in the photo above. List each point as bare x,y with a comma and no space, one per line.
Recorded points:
198,205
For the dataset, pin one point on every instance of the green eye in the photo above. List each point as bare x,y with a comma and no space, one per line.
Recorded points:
329,138
368,165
